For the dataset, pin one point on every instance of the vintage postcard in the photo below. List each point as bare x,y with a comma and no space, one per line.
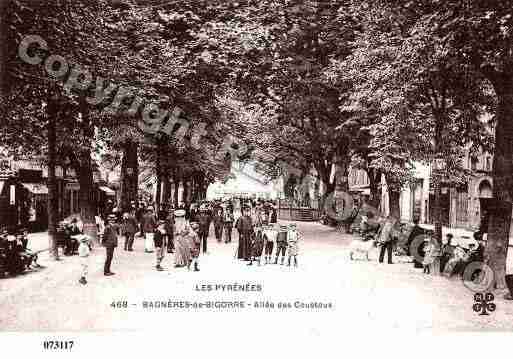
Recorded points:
188,174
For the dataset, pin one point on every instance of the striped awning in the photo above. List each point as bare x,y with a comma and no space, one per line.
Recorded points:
107,191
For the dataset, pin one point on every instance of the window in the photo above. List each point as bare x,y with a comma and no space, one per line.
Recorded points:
473,163
488,164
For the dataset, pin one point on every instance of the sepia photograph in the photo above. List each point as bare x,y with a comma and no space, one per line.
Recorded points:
180,176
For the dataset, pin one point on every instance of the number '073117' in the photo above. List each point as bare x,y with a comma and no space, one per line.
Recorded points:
58,344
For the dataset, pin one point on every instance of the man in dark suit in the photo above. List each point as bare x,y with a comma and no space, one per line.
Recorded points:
218,222
204,224
110,241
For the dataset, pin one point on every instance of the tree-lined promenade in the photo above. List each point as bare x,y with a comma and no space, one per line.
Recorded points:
324,85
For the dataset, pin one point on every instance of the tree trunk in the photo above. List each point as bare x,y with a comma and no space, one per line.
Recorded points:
185,191
158,170
375,188
87,197
176,185
129,175
52,181
166,188
437,180
500,216
438,211
193,188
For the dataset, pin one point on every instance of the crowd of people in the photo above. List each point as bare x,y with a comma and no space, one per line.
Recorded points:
184,232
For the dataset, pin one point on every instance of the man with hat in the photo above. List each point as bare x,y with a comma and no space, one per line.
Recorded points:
218,221
160,240
170,230
149,224
110,241
128,229
204,224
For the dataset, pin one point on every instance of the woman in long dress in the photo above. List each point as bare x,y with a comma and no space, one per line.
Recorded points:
182,246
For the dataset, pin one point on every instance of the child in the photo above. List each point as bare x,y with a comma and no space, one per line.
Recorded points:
83,253
293,238
195,244
281,244
159,239
432,258
269,235
257,246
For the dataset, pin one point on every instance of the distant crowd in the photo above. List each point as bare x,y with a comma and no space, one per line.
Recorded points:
184,232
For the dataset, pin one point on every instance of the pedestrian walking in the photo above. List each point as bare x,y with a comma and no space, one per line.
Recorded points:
160,240
110,242
83,253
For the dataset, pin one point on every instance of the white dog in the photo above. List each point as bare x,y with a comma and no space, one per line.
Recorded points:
360,246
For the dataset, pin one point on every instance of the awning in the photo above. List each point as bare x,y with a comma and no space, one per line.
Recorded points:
36,188
107,191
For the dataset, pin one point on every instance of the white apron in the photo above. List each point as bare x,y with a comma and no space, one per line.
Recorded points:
149,245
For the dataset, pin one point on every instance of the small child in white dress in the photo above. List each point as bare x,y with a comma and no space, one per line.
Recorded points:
83,253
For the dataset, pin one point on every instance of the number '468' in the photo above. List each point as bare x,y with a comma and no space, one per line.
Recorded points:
119,304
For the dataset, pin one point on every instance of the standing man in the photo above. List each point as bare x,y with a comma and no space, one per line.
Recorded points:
218,222
110,241
170,230
204,224
128,229
149,225
386,240
228,224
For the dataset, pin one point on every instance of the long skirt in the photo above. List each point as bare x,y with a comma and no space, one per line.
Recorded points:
182,251
149,245
258,246
244,251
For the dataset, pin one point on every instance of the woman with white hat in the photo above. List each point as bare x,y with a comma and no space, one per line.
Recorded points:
182,245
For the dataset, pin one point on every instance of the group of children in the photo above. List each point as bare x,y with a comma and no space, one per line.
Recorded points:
285,239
